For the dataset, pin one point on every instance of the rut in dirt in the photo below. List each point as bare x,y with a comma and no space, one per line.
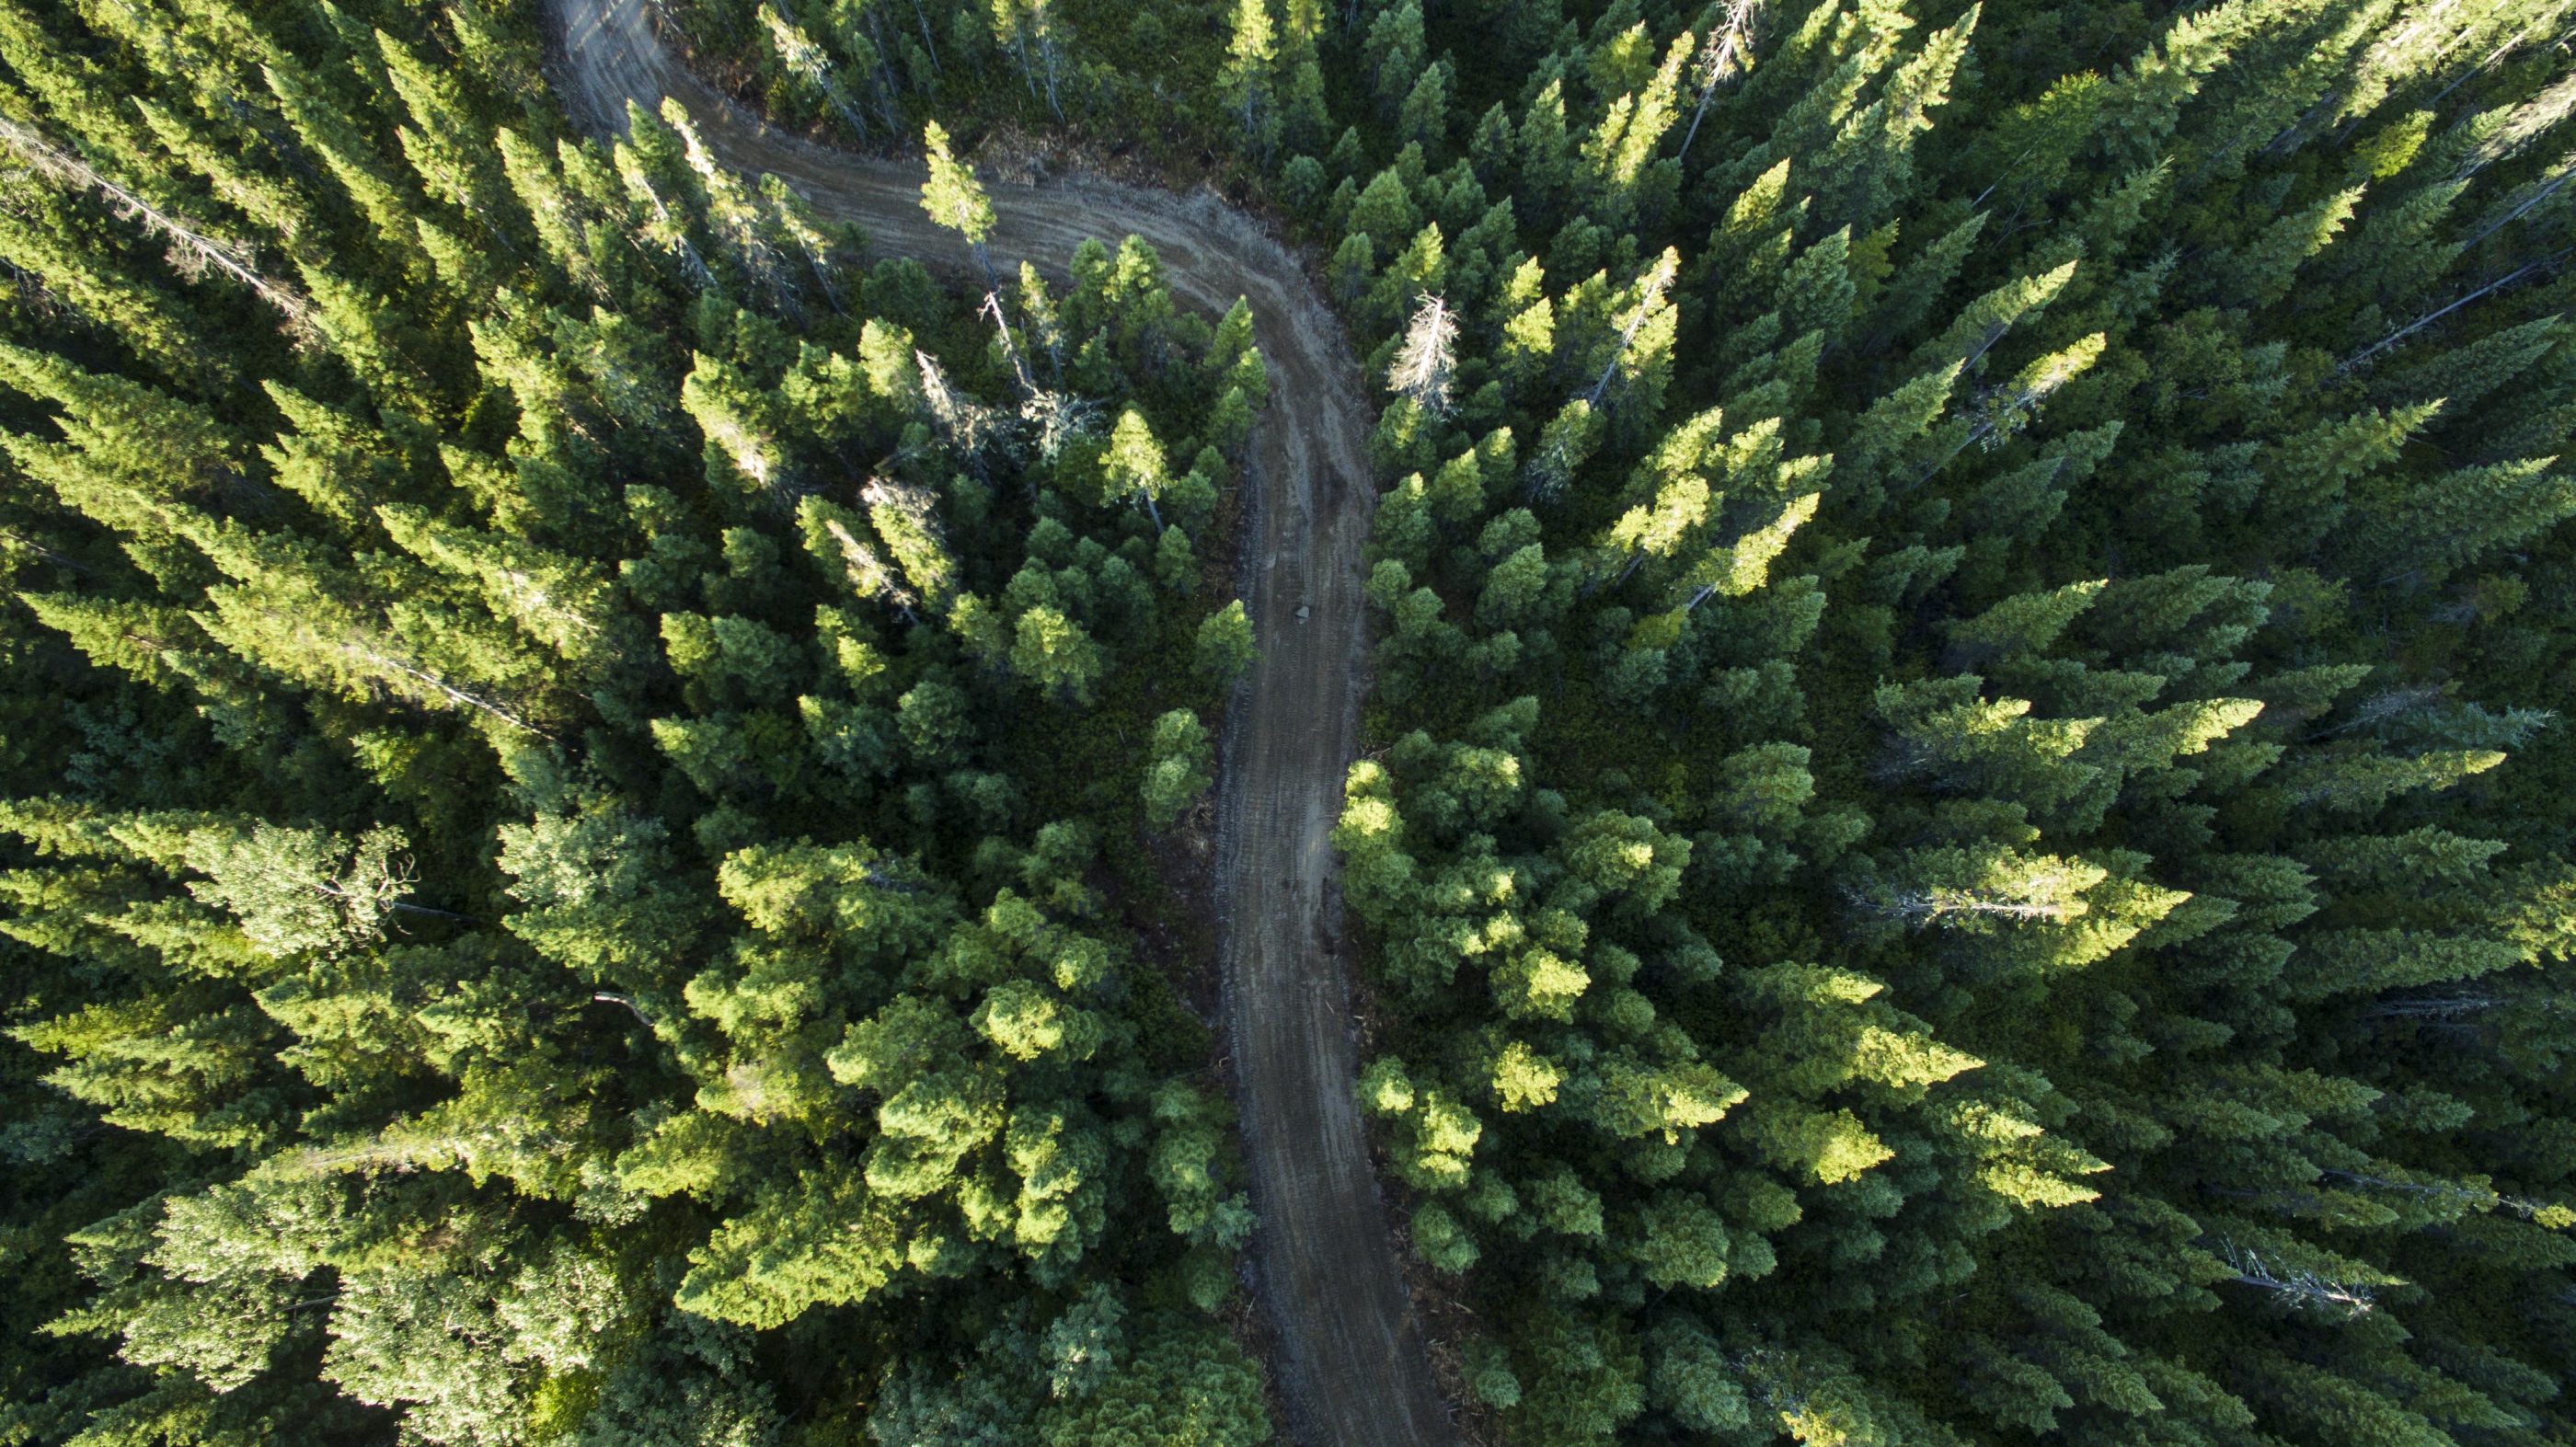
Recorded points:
1352,1362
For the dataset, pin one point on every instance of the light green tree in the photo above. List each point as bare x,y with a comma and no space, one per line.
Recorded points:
955,199
1179,766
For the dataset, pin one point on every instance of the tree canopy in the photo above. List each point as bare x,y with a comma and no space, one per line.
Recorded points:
578,824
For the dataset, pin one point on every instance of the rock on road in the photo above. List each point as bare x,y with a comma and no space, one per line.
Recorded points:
1353,1365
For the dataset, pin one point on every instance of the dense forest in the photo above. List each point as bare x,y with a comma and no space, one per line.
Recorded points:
1966,837
585,775
1963,838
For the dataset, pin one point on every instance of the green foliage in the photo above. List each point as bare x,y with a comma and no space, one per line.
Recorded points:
952,196
560,821
1964,838
1179,767
2030,640
1224,650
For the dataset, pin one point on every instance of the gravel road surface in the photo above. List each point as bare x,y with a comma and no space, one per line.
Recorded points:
1353,1365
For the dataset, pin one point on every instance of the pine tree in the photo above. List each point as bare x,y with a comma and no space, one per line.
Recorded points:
953,199
809,70
1394,54
1178,767
1225,648
1251,57
1423,118
445,144
1133,466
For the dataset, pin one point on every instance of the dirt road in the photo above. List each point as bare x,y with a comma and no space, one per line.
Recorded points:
1354,1369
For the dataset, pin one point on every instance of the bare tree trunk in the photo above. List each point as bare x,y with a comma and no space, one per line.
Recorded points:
927,43
611,997
1051,56
1725,61
201,249
2410,329
2517,213
1019,368
1660,278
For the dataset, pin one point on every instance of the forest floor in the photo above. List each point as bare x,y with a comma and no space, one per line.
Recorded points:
1351,1352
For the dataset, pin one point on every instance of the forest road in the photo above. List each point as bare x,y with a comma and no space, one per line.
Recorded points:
1353,1363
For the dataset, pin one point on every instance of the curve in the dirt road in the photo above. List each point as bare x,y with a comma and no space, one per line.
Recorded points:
1353,1364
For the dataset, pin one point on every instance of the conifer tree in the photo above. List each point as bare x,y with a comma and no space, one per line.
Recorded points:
1251,56
1225,648
955,200
1177,771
